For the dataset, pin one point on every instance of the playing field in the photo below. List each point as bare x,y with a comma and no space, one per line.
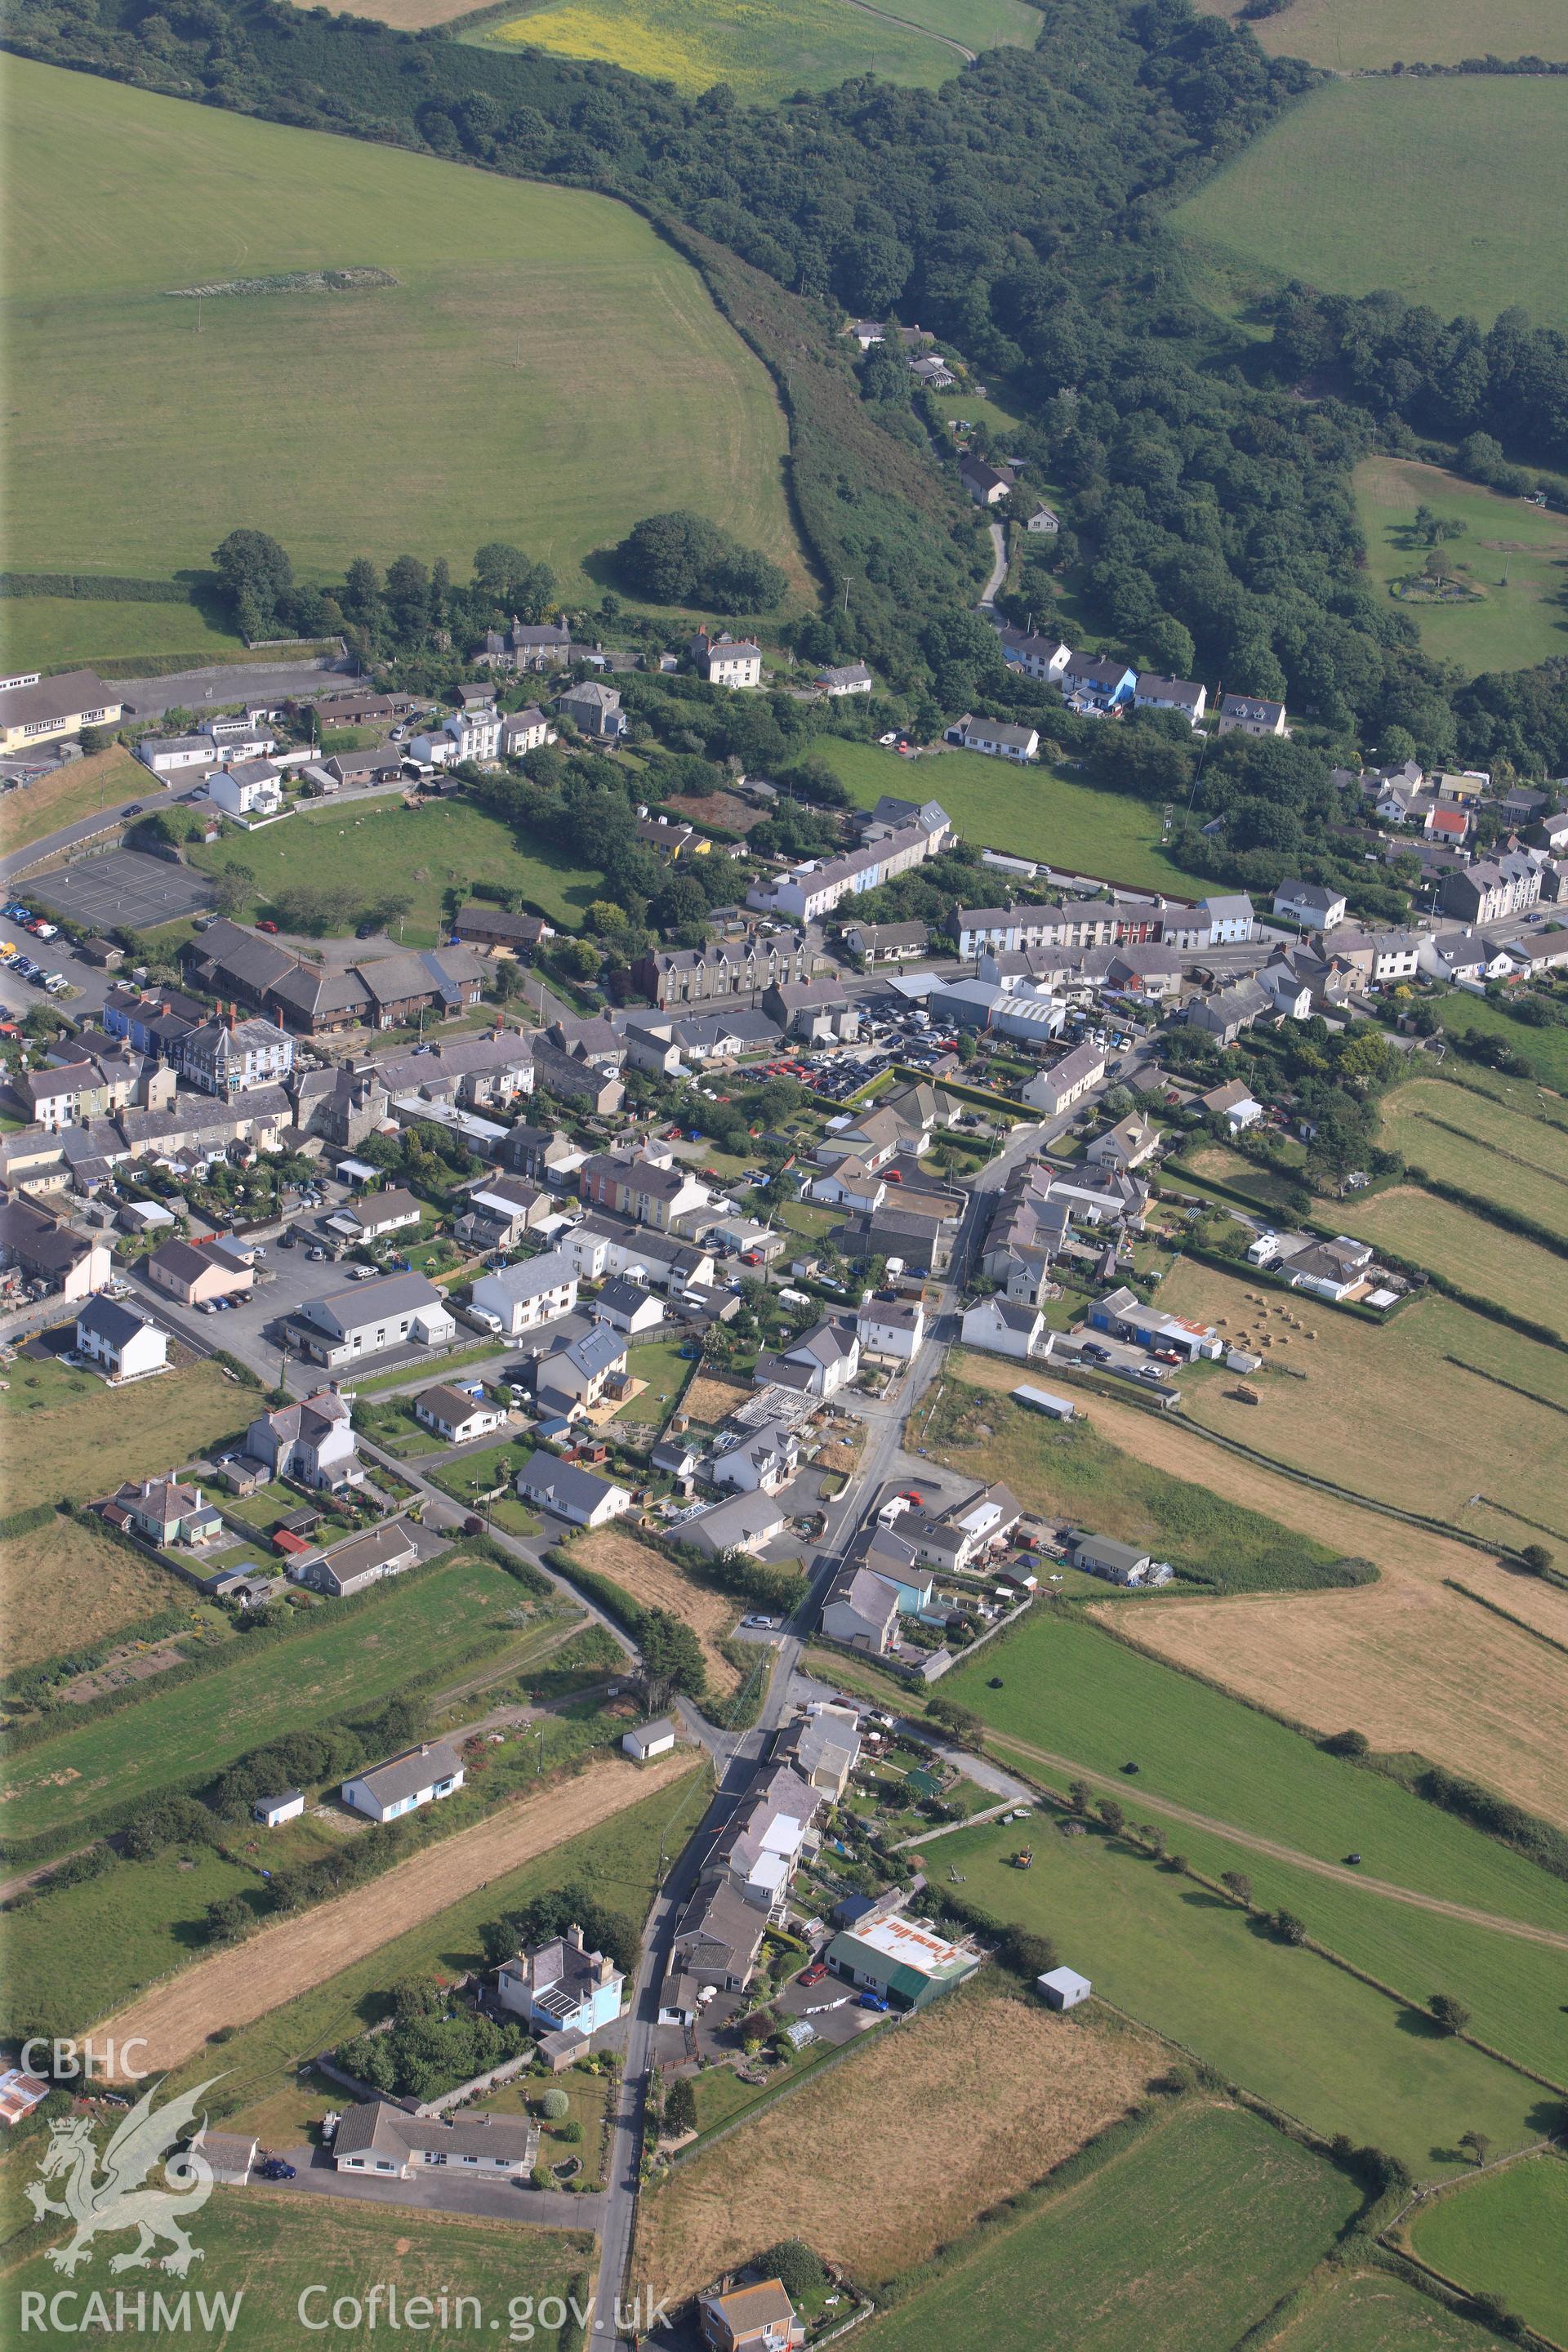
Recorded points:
264,2248
423,854
1180,2244
897,2150
1353,35
1370,2312
655,1582
1498,1154
467,402
767,49
67,1435
1044,812
63,1587
1483,1257
1515,554
1460,1435
1281,2022
1505,2236
1452,192
343,1664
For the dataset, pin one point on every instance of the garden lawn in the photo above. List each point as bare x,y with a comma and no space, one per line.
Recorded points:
1481,1257
1499,1155
65,1435
65,1586
1505,2236
1450,192
104,780
422,855
762,48
1459,1435
1069,1470
1517,555
1280,2021
1179,2245
1044,812
1073,1689
473,365
1350,37
415,1630
1368,2311
660,1363
259,2250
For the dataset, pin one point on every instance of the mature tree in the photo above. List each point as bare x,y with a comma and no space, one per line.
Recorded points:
1237,1884
795,2267
1478,2144
1112,1814
680,2107
1288,1928
256,573
233,887
1450,2013
229,1920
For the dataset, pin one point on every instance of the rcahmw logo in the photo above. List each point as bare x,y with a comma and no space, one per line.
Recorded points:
119,2199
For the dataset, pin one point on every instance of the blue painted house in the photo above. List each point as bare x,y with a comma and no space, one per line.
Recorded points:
1099,681
562,1988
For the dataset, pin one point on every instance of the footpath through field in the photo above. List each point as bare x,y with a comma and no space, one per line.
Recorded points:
237,1986
1249,1839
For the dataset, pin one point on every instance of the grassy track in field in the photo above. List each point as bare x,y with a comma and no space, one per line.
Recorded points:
1458,1435
471,400
1281,2022
1181,2244
420,853
1500,1155
1040,812
343,1664
1505,2236
1514,553
1074,1690
1353,35
1370,2312
1452,192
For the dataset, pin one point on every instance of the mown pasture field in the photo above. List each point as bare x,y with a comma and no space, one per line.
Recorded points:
898,2149
1471,1250
1079,1474
1368,2311
1282,2023
112,636
64,1586
1499,1155
1044,812
146,427
1183,2241
1450,192
1460,1434
1516,555
345,1662
765,49
1067,1686
420,855
1504,2235
255,2251
67,1436
1359,35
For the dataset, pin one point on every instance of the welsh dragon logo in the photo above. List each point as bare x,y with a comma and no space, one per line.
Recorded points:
118,2199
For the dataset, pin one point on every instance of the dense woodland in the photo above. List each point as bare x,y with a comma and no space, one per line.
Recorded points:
1018,213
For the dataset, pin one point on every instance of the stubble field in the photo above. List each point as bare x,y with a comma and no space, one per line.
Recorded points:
900,2147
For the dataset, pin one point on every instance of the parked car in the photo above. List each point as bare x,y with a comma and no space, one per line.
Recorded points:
273,2168
872,2000
268,926
814,1974
762,1624
1098,1354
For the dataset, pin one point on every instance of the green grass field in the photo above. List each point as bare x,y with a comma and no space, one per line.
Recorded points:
420,853
1075,1473
344,1664
1544,1051
1499,1154
1471,1251
766,50
1356,36
36,632
1180,2244
146,428
1070,1687
1505,2236
1367,2311
1452,192
1514,553
1040,812
261,2251
1281,2022
64,1434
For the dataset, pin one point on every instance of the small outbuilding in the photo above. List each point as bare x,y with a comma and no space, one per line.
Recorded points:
273,1811
649,1739
230,2154
1063,1988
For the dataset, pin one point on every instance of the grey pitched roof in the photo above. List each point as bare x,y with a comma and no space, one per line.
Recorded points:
416,1768
562,1482
111,1322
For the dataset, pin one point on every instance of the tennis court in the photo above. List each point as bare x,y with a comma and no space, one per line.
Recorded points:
127,887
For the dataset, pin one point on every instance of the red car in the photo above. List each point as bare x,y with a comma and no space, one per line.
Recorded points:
912,1495
751,1257
813,1975
266,927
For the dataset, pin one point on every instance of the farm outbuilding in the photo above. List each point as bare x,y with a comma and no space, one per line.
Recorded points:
1063,1988
649,1739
